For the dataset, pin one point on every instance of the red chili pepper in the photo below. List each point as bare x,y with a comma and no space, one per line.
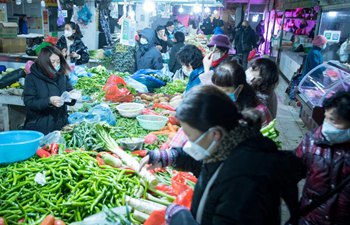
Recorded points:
54,148
21,220
100,161
163,106
42,153
141,153
68,150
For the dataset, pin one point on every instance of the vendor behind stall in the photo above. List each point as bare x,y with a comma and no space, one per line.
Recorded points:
315,58
46,112
71,45
147,55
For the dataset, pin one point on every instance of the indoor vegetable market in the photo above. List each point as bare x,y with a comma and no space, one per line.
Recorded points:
174,112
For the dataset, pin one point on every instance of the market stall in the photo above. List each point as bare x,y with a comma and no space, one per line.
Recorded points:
293,26
320,83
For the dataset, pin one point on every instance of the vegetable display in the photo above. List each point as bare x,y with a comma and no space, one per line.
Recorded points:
175,87
75,188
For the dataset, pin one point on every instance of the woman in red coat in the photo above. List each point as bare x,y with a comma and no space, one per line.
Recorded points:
326,155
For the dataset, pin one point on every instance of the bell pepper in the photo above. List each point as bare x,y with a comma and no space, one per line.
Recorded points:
54,148
42,153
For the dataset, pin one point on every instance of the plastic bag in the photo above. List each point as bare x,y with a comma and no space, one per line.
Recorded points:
252,54
84,15
104,113
150,82
54,137
139,87
116,90
106,217
29,63
99,113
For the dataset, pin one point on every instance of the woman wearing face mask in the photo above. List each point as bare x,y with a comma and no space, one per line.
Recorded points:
72,46
240,172
263,77
191,59
48,79
326,155
147,54
219,47
315,58
230,77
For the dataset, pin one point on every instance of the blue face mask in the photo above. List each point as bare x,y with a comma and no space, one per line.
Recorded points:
232,96
333,134
57,68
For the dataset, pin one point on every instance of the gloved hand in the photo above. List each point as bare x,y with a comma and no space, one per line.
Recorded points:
171,210
159,158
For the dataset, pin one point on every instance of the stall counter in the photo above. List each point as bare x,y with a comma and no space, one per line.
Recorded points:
13,111
16,60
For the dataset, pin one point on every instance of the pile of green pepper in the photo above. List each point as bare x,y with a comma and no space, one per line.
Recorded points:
76,188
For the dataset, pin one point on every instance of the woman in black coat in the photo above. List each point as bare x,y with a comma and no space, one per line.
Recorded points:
242,175
43,87
71,45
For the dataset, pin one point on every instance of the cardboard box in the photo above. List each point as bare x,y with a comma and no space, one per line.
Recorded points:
13,45
8,30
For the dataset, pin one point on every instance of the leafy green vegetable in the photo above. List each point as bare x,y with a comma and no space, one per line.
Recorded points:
177,86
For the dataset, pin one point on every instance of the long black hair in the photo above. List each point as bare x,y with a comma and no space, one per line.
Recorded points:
231,74
45,65
268,72
75,27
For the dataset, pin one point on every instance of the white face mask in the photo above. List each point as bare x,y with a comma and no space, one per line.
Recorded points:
249,76
196,151
333,134
143,41
216,56
186,71
68,33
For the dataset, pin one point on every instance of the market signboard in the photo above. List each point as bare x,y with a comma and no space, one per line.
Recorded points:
128,33
332,35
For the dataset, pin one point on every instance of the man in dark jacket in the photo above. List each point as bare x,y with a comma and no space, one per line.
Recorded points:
174,64
207,26
326,155
147,55
245,41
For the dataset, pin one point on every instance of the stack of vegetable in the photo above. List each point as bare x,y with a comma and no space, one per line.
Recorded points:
271,132
68,186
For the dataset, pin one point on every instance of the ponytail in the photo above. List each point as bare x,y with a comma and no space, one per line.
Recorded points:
252,117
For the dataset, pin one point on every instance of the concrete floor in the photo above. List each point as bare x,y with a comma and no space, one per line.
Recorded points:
291,129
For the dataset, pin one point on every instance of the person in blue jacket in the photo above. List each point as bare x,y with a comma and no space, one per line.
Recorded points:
315,58
191,59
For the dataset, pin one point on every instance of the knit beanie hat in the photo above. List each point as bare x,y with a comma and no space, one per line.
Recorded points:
319,41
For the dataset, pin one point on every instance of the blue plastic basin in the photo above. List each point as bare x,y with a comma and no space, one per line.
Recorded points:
18,145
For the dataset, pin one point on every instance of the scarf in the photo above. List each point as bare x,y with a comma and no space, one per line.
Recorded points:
217,62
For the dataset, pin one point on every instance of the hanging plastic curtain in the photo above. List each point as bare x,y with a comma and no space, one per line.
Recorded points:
60,17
